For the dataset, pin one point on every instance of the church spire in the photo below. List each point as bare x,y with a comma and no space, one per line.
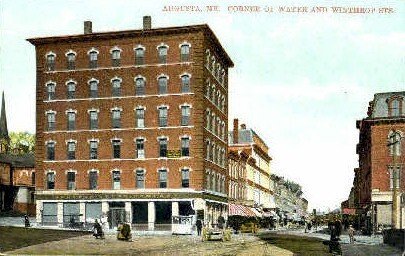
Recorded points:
4,138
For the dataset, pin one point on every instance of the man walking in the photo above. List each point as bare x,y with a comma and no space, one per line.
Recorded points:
199,227
351,234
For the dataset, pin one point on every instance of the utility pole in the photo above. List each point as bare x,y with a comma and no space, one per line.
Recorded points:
393,142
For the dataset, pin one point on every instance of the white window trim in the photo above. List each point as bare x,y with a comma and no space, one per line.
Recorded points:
71,81
162,137
50,82
162,75
140,138
93,170
115,109
185,136
93,140
185,167
162,45
70,111
139,76
92,50
50,112
139,107
115,138
139,46
70,52
185,74
116,170
50,171
50,141
93,80
116,78
184,43
162,106
70,141
185,104
71,170
163,169
93,110
115,48
50,53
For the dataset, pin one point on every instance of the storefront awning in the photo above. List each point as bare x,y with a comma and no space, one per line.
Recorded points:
349,211
241,210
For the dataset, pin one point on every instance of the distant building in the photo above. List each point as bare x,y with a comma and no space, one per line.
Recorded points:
17,174
132,125
381,162
249,169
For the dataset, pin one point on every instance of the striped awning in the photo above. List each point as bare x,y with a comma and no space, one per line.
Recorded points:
237,209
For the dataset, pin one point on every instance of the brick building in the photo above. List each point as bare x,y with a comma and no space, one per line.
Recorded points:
17,174
381,162
249,170
131,125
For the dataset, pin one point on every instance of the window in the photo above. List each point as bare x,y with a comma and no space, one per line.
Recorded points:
162,116
207,180
185,115
71,88
93,55
163,147
116,87
51,91
394,107
162,81
140,148
140,117
50,61
395,143
116,57
185,178
116,177
185,83
185,146
140,86
71,150
162,178
207,150
116,144
93,149
397,177
93,176
71,120
71,180
71,59
140,178
208,90
139,56
50,180
51,121
93,120
50,150
185,52
162,52
93,88
33,178
116,118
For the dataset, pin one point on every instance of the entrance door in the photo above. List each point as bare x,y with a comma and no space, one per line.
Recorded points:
117,216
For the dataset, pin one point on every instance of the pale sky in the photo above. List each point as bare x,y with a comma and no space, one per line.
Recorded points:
301,80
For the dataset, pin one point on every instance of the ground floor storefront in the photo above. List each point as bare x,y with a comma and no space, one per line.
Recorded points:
145,211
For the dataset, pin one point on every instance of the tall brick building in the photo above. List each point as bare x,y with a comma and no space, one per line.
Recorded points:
381,162
131,125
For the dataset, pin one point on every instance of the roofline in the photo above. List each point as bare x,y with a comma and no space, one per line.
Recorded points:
130,33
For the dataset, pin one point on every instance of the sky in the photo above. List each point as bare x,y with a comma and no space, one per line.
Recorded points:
301,80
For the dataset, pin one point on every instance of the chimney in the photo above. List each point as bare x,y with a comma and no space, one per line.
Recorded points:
243,126
235,131
147,22
88,27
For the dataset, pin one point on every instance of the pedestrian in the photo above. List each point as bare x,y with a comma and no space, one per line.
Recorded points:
26,221
97,230
351,234
199,227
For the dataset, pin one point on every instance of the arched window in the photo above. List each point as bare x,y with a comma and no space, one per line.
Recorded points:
139,85
162,53
394,107
116,86
185,52
185,83
394,140
162,82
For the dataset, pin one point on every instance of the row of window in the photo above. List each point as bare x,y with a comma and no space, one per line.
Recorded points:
140,177
236,190
236,170
214,67
116,56
215,96
116,113
215,153
215,124
116,87
116,145
215,181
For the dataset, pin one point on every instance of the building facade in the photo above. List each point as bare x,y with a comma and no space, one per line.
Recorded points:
249,169
123,120
379,177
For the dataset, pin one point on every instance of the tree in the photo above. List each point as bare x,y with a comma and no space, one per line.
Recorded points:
22,142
